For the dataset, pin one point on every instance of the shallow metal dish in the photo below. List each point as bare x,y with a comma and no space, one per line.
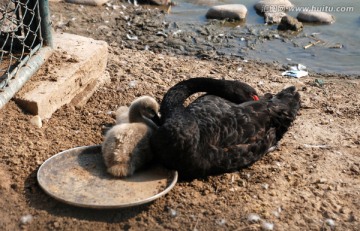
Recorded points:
78,177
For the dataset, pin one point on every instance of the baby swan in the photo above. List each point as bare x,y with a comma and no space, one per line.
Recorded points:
126,146
122,115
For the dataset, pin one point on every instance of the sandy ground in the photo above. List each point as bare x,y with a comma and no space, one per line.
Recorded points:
312,182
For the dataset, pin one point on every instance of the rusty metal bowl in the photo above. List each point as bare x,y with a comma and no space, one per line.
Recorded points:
78,177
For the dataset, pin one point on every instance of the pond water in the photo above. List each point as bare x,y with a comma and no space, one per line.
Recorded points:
322,58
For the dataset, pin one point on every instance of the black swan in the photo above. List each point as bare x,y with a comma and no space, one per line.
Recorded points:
126,146
222,133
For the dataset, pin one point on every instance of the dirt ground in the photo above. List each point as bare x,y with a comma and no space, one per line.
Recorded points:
311,182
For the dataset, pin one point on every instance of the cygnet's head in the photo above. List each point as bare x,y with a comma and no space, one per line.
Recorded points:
146,106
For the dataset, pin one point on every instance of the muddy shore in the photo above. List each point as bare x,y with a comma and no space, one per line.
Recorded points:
310,183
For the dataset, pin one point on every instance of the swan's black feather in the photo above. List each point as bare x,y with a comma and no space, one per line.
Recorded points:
213,135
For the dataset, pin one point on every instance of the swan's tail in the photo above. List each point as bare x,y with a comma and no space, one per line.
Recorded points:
283,108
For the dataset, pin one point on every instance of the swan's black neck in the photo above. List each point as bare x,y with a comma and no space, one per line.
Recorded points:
174,99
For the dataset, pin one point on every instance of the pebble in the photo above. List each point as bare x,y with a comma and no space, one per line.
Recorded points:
221,222
36,121
229,11
26,219
267,226
253,217
315,17
289,23
173,212
330,222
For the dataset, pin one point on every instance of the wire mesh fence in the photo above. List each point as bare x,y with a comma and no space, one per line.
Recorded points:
24,30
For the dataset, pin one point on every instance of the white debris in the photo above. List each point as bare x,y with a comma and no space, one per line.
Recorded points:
221,222
330,222
253,217
172,212
267,226
26,219
176,32
132,37
265,186
295,73
132,83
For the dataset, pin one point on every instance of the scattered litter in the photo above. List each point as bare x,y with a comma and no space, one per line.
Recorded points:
336,46
242,39
267,226
253,217
26,219
330,222
316,146
277,212
311,44
265,186
295,73
245,61
147,47
132,83
172,212
239,69
134,37
176,32
299,67
319,82
221,222
160,33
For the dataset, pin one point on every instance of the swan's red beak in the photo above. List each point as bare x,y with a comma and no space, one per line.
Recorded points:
255,97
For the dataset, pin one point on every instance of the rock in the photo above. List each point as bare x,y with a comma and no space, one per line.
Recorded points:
253,217
230,11
273,5
290,23
315,17
273,17
26,219
36,121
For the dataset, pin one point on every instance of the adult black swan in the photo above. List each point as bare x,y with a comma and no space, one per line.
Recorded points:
218,134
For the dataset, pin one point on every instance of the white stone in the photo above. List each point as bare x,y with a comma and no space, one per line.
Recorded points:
36,121
230,11
315,17
253,217
267,226
273,5
26,219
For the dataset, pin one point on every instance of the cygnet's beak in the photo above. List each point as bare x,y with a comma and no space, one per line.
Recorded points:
156,119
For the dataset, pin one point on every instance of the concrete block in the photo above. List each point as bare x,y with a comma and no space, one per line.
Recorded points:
88,2
71,75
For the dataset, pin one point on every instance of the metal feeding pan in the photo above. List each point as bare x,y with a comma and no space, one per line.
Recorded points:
78,177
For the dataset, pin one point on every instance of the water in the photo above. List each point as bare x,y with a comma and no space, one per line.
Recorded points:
319,58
